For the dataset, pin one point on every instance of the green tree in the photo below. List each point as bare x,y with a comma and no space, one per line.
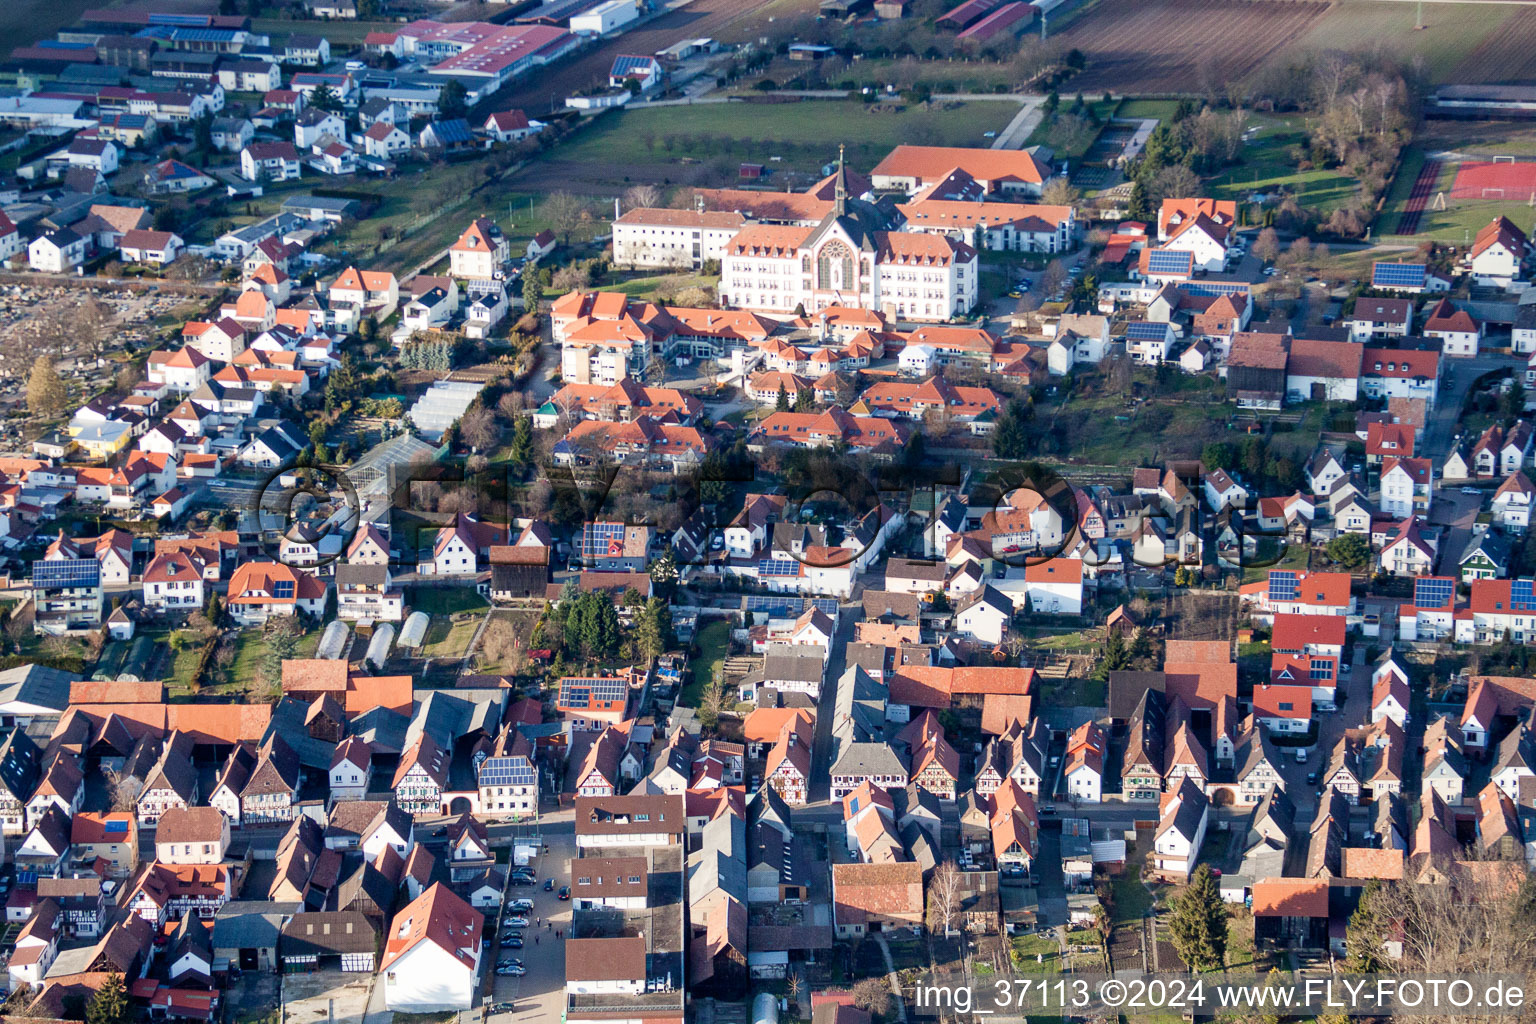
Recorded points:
46,394
1363,938
451,100
324,98
664,576
1217,455
1011,438
202,133
521,450
341,385
653,628
1198,923
110,1003
1139,206
1116,657
805,400
1350,550
533,291
781,404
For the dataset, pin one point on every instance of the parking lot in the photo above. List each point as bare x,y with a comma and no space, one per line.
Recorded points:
539,995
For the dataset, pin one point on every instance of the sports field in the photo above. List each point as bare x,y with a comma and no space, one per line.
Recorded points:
1447,217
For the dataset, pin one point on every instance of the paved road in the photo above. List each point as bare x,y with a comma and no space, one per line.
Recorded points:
821,750
1463,373
540,995
1023,123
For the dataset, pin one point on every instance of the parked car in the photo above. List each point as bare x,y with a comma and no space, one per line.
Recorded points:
512,972
516,921
510,961
520,905
511,942
522,880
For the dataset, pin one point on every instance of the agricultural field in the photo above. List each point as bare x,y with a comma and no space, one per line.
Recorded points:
703,144
1504,55
1145,46
1452,34
729,21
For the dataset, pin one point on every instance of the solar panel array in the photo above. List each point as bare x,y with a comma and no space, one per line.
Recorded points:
1520,597
1283,585
1397,275
1170,261
778,567
1215,288
283,590
625,64
785,606
1433,592
66,572
1142,330
581,692
506,771
597,539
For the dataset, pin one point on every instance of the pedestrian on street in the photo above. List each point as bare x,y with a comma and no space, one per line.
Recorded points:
535,940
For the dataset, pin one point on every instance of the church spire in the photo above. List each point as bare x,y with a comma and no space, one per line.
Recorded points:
840,185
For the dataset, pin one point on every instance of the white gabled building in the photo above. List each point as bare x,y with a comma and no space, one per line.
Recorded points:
432,954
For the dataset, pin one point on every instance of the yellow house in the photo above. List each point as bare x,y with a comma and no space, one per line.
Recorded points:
101,440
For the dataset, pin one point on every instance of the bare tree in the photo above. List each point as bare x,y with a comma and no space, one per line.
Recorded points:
122,790
647,196
479,430
566,213
944,891
1267,246
1053,278
1059,192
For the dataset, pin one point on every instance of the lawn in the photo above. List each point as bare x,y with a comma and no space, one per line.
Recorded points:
646,288
1027,947
1051,131
448,639
1138,109
444,600
804,134
245,670
714,642
1267,167
24,22
1132,898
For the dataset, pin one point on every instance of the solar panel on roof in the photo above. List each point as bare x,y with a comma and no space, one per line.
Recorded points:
777,567
1169,261
283,590
1432,592
1142,330
66,572
1398,275
598,540
824,604
1283,585
1520,596
773,604
115,826
624,65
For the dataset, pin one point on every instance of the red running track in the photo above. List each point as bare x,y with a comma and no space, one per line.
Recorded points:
1418,199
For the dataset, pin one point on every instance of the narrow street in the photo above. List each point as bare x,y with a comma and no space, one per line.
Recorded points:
821,749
